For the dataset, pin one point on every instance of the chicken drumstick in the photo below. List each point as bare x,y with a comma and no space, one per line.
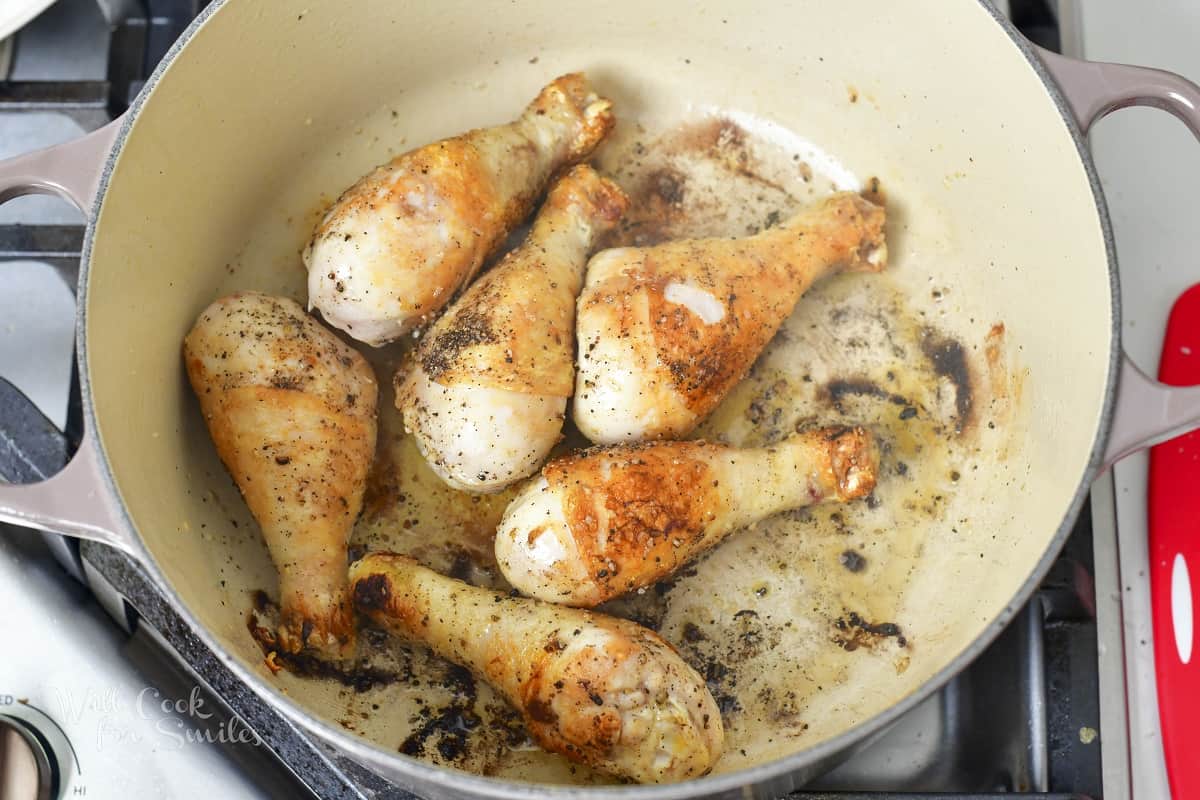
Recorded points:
602,691
291,410
397,245
666,331
605,521
487,389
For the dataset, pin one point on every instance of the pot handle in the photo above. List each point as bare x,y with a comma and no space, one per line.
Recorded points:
1147,411
77,500
74,502
70,170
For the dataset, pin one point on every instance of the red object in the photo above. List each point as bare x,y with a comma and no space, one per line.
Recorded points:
1175,561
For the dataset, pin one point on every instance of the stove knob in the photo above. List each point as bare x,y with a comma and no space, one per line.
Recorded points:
27,765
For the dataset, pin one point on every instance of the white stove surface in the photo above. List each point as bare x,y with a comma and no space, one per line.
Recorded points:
64,656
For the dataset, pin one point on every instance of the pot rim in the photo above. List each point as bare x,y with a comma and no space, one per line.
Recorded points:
371,754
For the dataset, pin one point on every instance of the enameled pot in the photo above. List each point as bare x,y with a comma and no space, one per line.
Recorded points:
262,112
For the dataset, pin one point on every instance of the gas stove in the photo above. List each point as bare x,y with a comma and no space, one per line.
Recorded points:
112,694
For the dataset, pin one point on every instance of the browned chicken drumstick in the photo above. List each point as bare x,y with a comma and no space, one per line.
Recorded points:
395,247
602,691
602,522
665,332
291,410
487,390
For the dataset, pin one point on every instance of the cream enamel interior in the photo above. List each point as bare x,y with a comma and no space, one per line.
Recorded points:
272,109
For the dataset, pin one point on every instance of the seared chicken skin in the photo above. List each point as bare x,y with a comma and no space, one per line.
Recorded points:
601,691
666,331
605,521
291,409
487,389
395,247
